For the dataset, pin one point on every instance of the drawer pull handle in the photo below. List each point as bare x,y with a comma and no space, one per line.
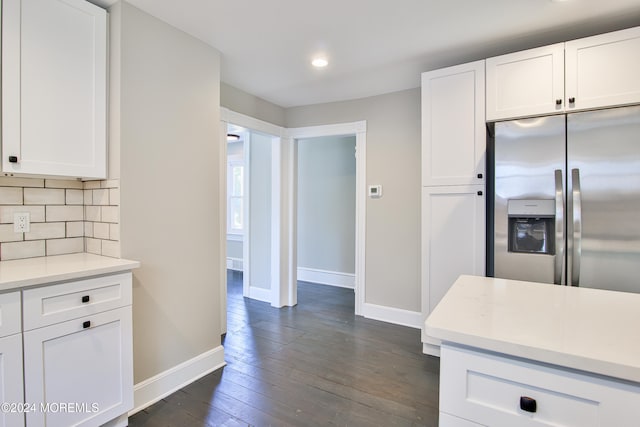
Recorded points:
85,298
528,404
87,324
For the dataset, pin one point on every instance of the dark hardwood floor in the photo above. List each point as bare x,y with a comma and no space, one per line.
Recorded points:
315,364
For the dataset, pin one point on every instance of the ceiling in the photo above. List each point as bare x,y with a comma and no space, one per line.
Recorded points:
373,46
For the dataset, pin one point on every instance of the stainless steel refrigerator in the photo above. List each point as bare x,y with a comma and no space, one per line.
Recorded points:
566,205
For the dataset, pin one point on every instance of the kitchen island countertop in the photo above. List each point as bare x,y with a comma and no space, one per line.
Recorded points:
15,274
592,330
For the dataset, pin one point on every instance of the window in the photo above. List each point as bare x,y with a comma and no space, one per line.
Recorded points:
235,193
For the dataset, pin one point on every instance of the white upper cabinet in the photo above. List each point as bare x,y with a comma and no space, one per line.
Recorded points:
54,55
527,83
593,72
453,125
603,70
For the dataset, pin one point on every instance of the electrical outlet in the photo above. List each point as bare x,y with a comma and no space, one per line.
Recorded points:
21,222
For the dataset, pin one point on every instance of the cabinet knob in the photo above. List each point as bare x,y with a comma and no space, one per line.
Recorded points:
479,193
480,176
85,298
558,101
572,100
13,159
86,324
528,404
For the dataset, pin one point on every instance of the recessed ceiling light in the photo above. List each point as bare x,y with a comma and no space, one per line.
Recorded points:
319,62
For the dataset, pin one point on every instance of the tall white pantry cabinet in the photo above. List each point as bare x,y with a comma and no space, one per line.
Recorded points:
453,181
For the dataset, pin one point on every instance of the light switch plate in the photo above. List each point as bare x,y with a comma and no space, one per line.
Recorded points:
375,191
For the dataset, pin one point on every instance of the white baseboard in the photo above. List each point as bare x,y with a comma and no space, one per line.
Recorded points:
431,349
159,386
234,264
412,319
324,277
260,294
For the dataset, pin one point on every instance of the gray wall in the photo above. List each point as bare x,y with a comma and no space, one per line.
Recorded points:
167,93
242,102
327,203
260,211
393,160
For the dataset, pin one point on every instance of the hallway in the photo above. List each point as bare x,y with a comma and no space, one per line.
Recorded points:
313,364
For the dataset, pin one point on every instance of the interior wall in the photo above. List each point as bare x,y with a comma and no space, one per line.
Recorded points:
327,203
242,102
260,211
169,154
393,160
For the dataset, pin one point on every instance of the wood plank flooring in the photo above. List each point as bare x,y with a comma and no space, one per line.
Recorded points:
316,364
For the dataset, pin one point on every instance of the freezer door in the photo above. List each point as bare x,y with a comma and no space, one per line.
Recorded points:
529,166
604,203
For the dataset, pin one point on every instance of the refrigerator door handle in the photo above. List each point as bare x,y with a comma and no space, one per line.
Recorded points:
577,227
559,243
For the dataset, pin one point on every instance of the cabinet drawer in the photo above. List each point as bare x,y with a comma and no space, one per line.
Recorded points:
10,313
487,389
57,303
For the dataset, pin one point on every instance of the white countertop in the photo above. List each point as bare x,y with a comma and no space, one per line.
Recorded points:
587,329
36,271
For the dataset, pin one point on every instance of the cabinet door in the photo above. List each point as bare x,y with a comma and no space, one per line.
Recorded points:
526,83
453,240
54,88
11,390
453,125
87,366
603,70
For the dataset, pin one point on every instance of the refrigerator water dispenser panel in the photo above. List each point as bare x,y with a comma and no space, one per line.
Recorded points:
531,226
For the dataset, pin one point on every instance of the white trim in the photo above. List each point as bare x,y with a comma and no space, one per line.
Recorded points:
235,237
222,224
412,319
235,264
246,220
326,277
151,390
361,218
431,349
250,122
260,294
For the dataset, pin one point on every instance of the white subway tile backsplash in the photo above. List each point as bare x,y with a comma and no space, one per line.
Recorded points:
114,196
93,246
111,248
114,231
67,216
17,250
10,195
46,230
74,197
43,196
6,181
88,197
110,214
65,246
88,229
35,212
101,230
92,213
8,235
75,229
101,197
63,183
64,213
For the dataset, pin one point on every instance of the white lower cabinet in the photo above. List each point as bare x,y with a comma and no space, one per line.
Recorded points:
66,356
84,364
446,420
496,390
11,389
